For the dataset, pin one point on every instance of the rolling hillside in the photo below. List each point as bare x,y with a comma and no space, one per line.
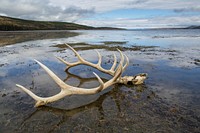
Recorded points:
14,24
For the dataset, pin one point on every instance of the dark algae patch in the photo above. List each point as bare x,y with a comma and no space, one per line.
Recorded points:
197,61
86,46
113,43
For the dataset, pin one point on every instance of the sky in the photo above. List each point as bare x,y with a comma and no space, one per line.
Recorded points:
130,14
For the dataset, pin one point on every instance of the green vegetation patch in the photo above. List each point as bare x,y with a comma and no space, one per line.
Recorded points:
85,46
114,42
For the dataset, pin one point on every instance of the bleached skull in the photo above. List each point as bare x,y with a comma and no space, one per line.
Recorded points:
133,80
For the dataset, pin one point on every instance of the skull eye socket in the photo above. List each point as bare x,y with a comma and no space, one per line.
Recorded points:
129,83
143,75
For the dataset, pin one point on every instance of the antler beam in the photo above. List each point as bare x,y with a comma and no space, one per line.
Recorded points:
98,66
134,80
67,90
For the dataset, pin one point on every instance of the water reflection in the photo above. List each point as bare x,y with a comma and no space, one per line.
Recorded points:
65,115
79,78
96,111
106,106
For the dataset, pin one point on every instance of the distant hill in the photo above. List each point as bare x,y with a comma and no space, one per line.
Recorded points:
193,27
15,24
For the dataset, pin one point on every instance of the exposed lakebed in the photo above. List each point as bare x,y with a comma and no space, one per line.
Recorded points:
167,102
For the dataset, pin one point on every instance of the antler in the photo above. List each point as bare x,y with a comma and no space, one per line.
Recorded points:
135,80
67,90
98,66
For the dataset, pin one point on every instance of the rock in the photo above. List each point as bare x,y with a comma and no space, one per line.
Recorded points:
3,95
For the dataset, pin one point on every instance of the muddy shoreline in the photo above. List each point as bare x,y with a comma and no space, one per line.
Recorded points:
165,103
13,37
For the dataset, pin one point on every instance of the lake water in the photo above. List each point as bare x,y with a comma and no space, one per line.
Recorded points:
168,101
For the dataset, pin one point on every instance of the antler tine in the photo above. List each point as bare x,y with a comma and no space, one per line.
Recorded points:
65,62
100,58
76,53
127,63
117,72
121,56
35,97
53,75
114,64
100,81
121,62
80,59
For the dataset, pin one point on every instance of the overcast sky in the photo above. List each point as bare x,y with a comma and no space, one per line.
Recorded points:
113,13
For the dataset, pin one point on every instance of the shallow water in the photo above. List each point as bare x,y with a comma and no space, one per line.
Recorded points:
167,102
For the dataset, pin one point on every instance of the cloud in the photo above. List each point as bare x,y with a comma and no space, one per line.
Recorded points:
170,5
78,12
21,7
106,5
43,10
193,9
158,22
81,10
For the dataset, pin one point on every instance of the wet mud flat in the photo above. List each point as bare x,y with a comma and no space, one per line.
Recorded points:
167,102
12,37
